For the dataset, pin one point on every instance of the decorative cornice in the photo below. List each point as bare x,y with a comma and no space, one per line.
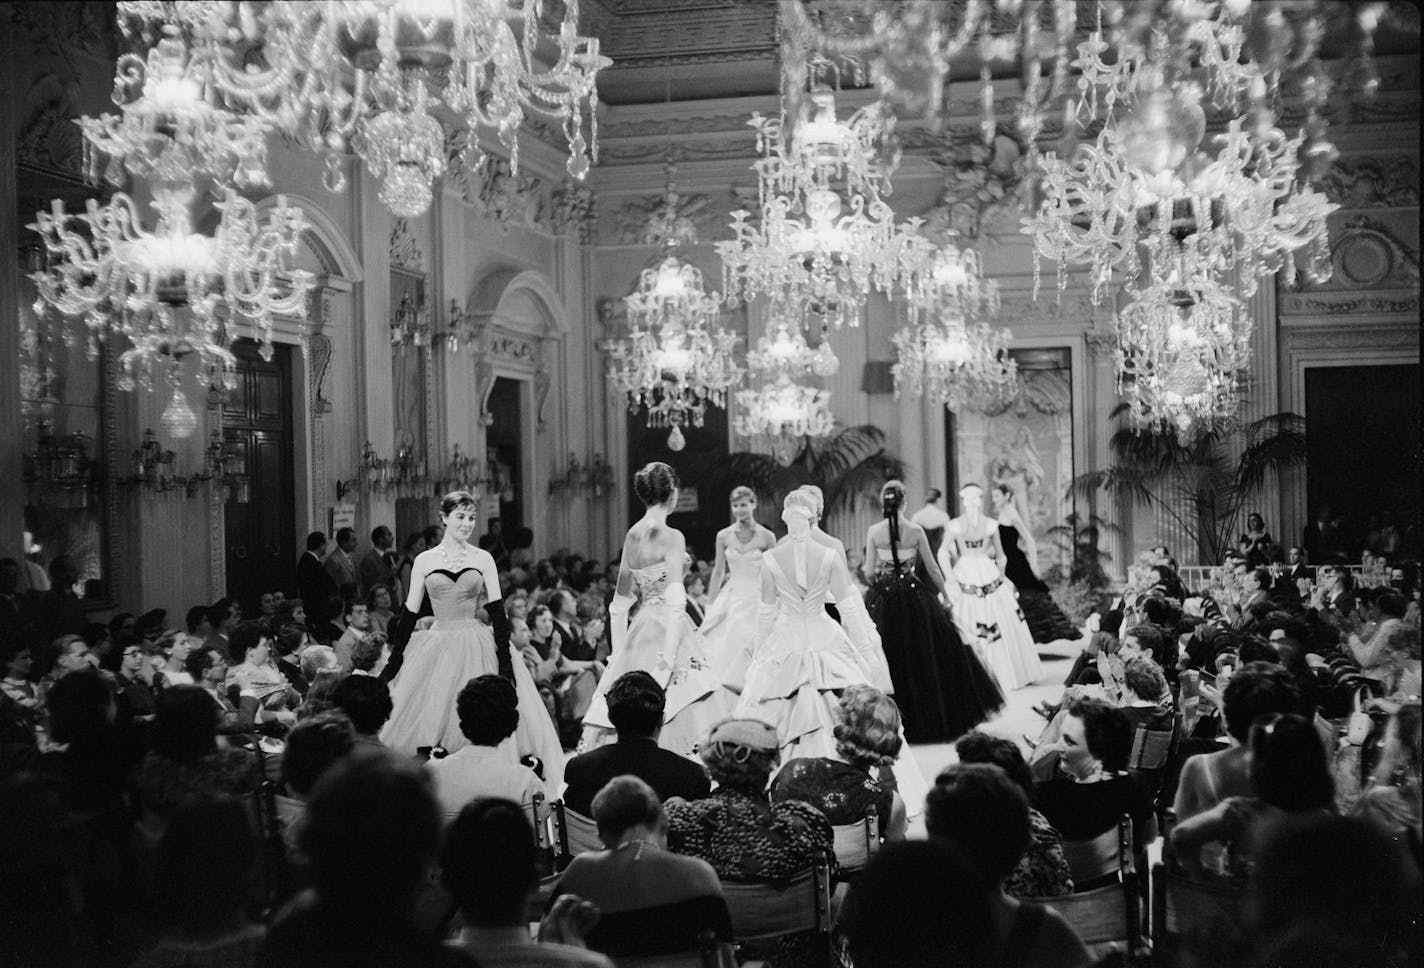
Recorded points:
1348,303
1373,182
1353,337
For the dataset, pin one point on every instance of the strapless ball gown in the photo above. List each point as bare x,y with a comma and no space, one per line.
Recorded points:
441,659
662,642
1046,621
730,623
987,614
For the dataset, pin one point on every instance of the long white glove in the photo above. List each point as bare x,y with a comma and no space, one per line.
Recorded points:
862,631
618,622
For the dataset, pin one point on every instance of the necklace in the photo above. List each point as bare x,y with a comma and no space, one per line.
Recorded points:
640,843
454,562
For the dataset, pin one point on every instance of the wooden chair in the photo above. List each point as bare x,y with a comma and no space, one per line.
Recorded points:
856,843
1195,923
761,912
1092,860
574,834
1108,916
711,953
1150,748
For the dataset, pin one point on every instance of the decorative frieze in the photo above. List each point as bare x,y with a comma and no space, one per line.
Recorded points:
405,247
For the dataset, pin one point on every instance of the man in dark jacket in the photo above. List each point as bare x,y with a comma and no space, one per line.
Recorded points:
635,707
314,584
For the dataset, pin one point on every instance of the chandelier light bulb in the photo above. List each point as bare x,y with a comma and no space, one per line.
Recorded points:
178,419
676,441
1163,129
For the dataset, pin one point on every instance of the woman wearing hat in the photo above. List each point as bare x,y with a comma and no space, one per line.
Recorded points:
738,830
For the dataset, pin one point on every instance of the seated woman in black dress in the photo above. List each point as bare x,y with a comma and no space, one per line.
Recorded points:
651,900
1091,787
845,786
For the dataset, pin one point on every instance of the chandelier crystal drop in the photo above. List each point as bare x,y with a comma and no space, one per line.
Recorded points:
178,420
169,291
1181,347
169,127
324,71
784,351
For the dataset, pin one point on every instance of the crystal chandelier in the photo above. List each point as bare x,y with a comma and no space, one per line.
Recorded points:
168,126
169,291
783,351
671,292
354,74
784,409
964,366
675,372
1180,348
825,236
1144,187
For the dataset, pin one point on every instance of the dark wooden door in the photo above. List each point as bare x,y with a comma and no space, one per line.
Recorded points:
260,537
504,445
704,513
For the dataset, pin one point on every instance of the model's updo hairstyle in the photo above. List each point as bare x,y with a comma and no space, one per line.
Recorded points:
457,499
655,483
741,492
818,500
892,498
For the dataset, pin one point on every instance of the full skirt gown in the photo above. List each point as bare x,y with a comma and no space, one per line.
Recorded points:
1046,621
987,614
438,662
941,687
802,663
662,642
730,622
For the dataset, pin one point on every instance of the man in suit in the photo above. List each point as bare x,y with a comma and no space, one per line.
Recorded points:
223,616
314,583
565,609
1298,567
378,566
341,564
635,707
1254,583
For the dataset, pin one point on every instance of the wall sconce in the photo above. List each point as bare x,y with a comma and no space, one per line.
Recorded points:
459,328
597,476
59,469
226,466
377,474
153,466
411,323
463,473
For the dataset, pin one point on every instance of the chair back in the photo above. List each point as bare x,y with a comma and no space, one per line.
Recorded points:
574,834
541,818
1108,915
1108,853
711,953
1150,748
1194,922
762,911
855,843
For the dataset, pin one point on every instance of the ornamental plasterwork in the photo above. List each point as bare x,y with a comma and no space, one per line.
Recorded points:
405,247
575,212
1346,302
1074,310
1352,338
1365,253
983,185
638,220
1373,182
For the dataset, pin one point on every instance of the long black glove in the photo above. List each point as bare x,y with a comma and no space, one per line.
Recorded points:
500,623
398,633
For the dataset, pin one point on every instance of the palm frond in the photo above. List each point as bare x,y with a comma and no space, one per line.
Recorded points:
863,481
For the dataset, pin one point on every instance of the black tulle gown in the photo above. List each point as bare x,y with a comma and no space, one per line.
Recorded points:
940,686
1046,620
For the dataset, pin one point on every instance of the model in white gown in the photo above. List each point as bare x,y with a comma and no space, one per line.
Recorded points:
730,622
986,610
439,660
802,658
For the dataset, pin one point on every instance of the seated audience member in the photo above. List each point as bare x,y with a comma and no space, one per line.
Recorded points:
250,648
324,673
289,644
19,703
1398,662
1042,871
1143,688
488,708
1392,798
1288,774
207,866
357,627
366,701
920,904
371,834
487,863
130,666
738,830
313,746
1332,892
379,607
984,814
844,787
1257,689
174,671
186,763
635,707
1091,787
651,901
368,655
90,759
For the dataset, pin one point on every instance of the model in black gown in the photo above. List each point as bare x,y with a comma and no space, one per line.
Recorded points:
1045,619
940,686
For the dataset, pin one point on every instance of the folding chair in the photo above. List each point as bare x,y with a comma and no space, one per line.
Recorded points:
761,912
1195,923
711,953
1150,748
856,843
1093,860
575,834
1109,916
